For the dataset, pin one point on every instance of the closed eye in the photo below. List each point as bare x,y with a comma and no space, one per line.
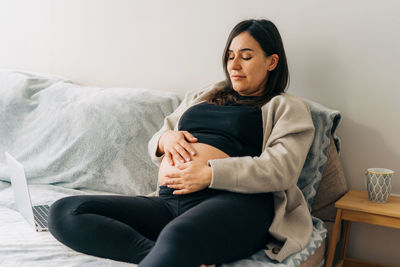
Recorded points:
245,53
244,58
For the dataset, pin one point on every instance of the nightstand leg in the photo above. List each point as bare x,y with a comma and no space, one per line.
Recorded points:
347,225
334,238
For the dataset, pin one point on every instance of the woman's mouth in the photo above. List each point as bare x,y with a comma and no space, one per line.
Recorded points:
237,77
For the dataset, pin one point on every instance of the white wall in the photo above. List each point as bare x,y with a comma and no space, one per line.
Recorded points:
343,54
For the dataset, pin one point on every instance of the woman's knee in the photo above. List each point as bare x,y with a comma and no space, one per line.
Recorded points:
62,213
179,234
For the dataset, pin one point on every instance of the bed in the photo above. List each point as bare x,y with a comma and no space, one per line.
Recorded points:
75,139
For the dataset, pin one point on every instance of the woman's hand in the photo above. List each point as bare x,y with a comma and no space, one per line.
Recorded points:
191,177
175,146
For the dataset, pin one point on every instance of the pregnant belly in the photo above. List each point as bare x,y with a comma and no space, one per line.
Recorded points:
204,153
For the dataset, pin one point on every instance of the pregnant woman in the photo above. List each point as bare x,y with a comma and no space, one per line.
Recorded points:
229,158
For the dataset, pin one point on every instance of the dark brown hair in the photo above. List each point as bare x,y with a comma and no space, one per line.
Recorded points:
267,35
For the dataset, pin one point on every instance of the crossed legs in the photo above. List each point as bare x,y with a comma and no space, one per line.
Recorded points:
156,231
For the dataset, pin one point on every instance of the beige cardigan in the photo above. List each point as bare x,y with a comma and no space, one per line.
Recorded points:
288,134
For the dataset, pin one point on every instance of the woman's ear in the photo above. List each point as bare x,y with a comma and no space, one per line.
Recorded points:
272,62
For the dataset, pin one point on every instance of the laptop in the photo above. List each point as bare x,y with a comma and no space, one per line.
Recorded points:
36,216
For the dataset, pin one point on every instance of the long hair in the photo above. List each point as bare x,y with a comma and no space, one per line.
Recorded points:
267,35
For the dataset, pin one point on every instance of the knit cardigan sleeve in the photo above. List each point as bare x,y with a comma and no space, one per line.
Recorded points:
288,134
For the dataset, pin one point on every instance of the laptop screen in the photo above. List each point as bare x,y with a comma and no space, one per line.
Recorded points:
20,187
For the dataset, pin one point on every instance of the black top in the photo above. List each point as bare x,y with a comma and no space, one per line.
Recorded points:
235,129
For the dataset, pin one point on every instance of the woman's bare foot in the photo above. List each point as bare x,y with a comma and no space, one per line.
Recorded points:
203,265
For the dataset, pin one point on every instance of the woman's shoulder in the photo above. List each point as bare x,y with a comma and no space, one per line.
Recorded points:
200,94
286,102
287,98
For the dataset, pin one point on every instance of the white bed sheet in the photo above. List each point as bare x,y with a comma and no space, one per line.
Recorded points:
20,245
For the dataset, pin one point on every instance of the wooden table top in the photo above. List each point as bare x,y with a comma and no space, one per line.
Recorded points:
358,201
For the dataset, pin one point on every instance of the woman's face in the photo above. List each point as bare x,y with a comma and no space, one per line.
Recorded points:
248,66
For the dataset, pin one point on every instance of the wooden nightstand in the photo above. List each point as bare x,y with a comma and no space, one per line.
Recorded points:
355,206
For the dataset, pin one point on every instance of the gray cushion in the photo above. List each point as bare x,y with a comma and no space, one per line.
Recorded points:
333,186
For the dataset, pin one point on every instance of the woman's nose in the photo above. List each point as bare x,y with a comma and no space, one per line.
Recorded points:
235,65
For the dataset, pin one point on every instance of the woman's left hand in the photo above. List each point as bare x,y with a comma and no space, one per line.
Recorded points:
192,176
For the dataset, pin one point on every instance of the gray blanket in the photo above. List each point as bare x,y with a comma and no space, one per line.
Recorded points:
326,122
80,137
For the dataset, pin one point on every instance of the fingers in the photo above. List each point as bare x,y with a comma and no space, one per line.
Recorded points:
177,148
180,152
181,192
176,186
182,186
173,175
175,183
179,188
189,150
181,149
169,158
189,137
176,154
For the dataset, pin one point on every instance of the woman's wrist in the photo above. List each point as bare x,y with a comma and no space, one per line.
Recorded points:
209,170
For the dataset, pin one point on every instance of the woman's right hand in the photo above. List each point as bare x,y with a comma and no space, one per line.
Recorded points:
176,146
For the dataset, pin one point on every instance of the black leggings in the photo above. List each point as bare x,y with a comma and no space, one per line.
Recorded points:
205,227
